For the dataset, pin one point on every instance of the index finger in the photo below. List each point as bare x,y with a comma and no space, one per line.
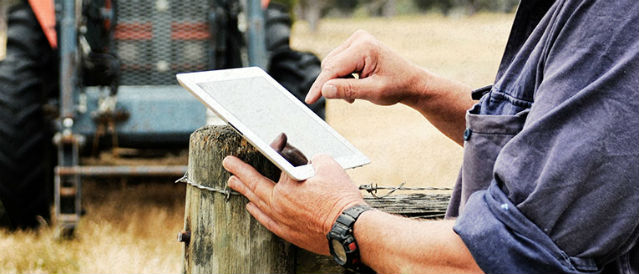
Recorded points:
254,182
328,72
341,65
316,89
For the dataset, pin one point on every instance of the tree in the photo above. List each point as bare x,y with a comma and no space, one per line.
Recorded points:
311,11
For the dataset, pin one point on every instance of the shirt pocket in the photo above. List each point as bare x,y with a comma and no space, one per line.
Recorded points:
484,138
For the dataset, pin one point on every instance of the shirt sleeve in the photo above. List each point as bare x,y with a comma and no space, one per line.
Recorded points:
566,188
503,240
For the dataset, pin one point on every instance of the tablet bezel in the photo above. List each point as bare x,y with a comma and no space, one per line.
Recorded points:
190,82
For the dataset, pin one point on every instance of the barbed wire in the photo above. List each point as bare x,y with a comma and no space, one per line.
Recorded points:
370,188
226,191
373,188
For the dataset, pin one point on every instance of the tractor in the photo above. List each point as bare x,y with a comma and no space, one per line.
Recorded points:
80,76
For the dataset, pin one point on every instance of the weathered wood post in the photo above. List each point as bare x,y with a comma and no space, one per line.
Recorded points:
224,238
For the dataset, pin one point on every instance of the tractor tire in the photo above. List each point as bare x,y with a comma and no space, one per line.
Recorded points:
277,27
294,70
297,71
25,134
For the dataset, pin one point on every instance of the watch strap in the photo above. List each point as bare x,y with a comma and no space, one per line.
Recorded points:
343,230
355,211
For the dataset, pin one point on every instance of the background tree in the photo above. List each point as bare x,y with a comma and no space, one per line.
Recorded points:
311,11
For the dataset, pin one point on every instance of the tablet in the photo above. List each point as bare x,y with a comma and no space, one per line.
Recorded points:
260,109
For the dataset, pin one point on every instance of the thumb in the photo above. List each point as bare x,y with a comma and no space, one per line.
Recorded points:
348,89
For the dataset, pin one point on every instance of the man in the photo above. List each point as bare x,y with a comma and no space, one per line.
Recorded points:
550,177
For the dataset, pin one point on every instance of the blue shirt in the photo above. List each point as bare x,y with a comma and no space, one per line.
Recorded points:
550,175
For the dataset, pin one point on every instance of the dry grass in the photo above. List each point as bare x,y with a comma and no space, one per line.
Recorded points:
132,229
127,229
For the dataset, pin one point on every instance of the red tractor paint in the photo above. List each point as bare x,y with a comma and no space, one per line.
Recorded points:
44,11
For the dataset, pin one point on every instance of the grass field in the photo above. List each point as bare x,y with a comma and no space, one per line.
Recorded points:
131,228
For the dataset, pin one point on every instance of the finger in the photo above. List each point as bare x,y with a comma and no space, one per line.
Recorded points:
353,59
335,56
241,169
346,68
294,155
253,180
279,142
315,92
342,64
264,219
339,49
347,43
351,89
239,186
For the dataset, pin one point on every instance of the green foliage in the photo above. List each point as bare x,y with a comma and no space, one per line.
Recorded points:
496,5
363,7
346,6
288,3
442,5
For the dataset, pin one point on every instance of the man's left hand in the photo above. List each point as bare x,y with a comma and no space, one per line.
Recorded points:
299,212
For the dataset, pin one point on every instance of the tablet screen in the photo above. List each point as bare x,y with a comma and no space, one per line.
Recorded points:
267,112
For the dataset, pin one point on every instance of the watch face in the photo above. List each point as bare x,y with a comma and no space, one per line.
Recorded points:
340,252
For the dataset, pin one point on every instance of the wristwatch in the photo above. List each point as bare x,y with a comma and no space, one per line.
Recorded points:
341,240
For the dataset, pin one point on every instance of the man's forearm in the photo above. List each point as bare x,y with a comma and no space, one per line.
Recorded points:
442,101
392,244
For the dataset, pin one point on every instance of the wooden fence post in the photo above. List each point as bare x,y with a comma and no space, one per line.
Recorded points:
224,238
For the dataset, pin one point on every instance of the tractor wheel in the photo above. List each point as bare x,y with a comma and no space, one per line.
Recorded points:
278,27
295,70
25,135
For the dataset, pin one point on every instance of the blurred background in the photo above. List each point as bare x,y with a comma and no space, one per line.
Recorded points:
131,223
314,11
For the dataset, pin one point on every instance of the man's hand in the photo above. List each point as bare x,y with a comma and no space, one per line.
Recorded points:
299,212
385,78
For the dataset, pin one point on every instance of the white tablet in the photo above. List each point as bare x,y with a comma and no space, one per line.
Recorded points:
261,109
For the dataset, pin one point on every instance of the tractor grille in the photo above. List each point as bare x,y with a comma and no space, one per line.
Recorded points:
155,39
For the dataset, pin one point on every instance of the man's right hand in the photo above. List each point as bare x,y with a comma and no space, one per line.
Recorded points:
385,78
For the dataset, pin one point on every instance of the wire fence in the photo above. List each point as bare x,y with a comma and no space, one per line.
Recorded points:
420,205
373,188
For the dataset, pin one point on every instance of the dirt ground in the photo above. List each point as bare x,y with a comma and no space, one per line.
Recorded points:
131,228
